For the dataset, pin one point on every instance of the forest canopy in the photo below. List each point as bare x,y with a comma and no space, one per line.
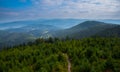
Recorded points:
85,55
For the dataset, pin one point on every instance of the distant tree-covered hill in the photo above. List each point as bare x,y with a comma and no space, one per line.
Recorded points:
87,29
8,39
110,32
20,35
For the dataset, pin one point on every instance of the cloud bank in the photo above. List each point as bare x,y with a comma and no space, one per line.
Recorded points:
85,9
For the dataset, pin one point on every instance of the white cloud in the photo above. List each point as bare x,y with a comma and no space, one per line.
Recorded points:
48,2
52,2
75,8
91,9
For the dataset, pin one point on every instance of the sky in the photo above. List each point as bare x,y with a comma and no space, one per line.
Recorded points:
78,9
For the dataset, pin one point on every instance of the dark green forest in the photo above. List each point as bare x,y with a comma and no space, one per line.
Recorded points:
52,55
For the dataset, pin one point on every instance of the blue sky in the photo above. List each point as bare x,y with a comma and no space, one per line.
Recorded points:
14,3
81,9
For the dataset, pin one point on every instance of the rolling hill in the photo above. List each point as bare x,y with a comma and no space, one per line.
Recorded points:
86,29
28,31
8,39
110,32
37,30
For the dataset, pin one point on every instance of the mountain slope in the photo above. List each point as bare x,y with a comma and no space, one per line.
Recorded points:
15,36
10,39
85,29
36,30
111,32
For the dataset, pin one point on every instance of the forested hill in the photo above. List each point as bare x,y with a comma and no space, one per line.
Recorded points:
84,55
110,32
8,39
90,28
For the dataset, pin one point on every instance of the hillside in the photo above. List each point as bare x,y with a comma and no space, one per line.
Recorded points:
8,39
85,55
15,33
85,29
110,32
37,30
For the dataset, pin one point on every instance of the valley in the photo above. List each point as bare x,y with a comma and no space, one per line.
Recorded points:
24,31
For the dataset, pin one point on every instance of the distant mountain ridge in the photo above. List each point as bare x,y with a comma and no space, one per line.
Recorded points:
85,29
29,32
